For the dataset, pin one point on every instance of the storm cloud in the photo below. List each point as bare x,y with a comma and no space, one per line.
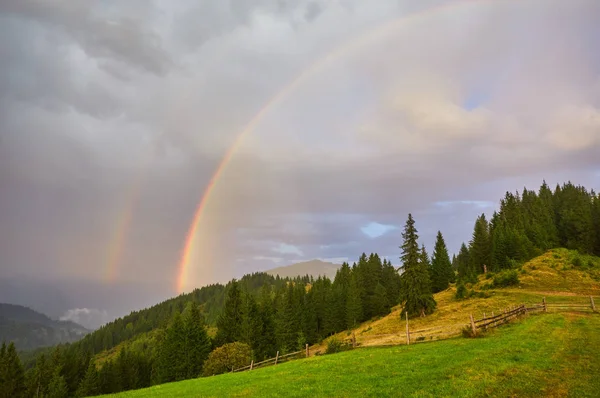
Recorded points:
114,117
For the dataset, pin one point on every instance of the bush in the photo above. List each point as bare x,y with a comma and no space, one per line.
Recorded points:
577,262
335,345
506,278
489,275
227,358
461,291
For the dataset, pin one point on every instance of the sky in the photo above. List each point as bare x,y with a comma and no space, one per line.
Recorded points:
335,118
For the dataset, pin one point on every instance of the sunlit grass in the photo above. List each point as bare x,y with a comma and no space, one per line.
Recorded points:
552,355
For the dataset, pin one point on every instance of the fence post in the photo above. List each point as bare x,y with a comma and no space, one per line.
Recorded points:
276,357
307,353
353,340
593,305
544,302
494,319
484,317
407,332
251,364
473,325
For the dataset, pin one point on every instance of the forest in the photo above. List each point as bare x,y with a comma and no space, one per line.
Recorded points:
173,339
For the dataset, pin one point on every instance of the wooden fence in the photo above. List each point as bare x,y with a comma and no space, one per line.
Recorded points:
407,337
278,359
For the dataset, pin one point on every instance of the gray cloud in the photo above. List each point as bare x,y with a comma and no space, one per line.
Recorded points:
115,116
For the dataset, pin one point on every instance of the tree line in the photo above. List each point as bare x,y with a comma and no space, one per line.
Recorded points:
271,314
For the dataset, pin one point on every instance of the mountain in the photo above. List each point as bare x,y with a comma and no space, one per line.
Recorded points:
29,329
312,268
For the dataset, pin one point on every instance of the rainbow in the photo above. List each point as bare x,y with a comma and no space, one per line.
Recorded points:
379,32
125,217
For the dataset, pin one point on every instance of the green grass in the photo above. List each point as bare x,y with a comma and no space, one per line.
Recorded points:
541,355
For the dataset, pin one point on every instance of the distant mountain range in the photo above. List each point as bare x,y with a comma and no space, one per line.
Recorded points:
29,329
312,267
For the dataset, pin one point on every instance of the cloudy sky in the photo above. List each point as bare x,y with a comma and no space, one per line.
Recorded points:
346,115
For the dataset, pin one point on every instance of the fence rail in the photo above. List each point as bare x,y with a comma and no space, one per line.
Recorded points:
438,332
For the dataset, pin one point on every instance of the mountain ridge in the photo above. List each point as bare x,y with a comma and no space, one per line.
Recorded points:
314,268
30,329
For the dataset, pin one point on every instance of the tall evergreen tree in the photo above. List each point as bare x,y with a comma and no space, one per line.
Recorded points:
13,375
596,222
354,311
90,385
442,273
228,323
171,362
415,294
58,386
267,344
197,344
479,248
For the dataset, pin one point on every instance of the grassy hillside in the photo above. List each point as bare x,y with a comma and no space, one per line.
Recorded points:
554,355
556,275
528,358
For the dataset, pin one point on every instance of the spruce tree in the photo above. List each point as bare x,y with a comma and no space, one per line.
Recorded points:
230,319
58,386
197,343
479,248
171,362
391,281
13,375
90,385
415,293
596,222
354,312
266,347
442,273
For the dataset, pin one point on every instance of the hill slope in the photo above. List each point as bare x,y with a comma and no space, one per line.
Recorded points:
314,268
30,329
560,275
526,359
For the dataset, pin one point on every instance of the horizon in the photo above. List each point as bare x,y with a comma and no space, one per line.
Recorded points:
147,149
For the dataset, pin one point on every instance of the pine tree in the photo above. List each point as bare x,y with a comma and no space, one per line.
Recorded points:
40,377
58,386
171,361
391,281
266,347
479,248
3,368
596,222
230,319
13,375
380,301
416,297
354,312
197,344
90,385
288,321
442,273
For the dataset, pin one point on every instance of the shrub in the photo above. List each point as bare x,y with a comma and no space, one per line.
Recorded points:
556,255
334,345
227,358
506,278
461,291
489,275
591,264
577,262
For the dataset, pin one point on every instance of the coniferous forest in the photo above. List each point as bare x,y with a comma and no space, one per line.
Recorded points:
173,340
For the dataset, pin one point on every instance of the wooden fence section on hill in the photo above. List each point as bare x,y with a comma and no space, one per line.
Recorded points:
274,361
442,332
